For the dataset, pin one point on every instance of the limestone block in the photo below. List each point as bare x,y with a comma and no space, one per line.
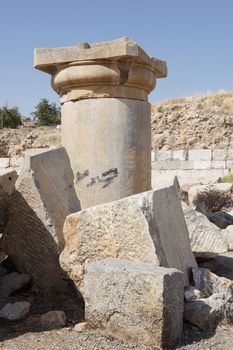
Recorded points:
172,165
202,164
218,164
179,154
200,154
219,154
229,164
230,154
206,239
228,234
43,198
7,181
162,155
148,227
136,302
4,162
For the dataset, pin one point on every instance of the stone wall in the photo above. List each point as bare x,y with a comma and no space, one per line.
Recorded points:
190,165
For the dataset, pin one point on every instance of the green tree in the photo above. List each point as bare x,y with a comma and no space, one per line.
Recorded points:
46,113
10,117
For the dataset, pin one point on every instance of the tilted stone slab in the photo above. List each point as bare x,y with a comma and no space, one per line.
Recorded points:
43,198
148,227
136,302
206,238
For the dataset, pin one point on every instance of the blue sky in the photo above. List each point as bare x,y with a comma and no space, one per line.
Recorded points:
195,37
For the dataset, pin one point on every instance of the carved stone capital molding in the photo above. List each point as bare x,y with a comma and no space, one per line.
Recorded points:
119,68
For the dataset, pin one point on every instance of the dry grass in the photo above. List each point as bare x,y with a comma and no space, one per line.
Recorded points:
222,102
228,178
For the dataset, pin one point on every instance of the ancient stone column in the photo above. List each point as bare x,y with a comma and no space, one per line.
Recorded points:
103,89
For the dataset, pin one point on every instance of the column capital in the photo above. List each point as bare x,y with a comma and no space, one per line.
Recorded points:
118,68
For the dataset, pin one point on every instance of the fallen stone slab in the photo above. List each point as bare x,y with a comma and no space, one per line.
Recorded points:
136,302
205,238
53,319
43,198
15,311
147,227
12,282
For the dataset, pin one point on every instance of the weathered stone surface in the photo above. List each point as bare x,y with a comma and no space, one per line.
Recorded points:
15,311
43,198
148,227
200,154
209,283
12,282
7,181
53,319
135,302
205,238
228,235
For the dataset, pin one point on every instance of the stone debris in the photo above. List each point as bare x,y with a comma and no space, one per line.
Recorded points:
53,319
81,327
15,311
206,239
12,282
206,313
136,302
192,294
209,283
148,227
43,198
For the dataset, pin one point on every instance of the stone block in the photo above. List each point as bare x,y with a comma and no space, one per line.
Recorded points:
44,196
162,155
229,164
147,227
202,164
172,165
135,302
206,239
179,155
7,181
219,154
230,154
200,154
4,162
218,164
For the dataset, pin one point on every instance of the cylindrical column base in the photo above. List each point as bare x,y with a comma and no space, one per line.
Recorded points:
108,142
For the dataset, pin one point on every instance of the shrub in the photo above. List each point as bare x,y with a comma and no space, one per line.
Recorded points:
214,200
228,178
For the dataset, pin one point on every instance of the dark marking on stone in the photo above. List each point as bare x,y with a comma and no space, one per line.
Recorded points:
81,176
106,178
124,72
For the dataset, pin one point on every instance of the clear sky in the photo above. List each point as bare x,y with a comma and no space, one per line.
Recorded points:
195,37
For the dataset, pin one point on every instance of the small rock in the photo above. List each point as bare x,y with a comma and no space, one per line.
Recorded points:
221,219
15,311
53,319
192,294
12,282
80,327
